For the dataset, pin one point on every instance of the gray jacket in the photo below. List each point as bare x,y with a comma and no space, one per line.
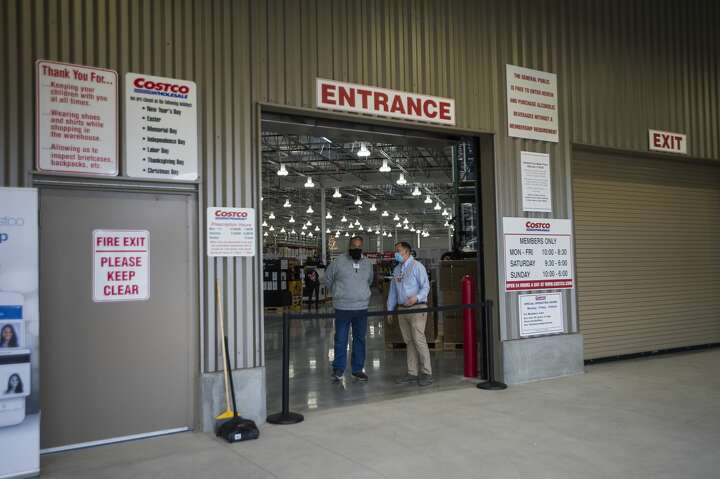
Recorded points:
350,284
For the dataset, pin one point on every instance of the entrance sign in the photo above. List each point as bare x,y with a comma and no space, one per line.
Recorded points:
541,314
19,334
667,141
532,104
341,96
538,254
536,185
231,231
76,119
160,128
120,265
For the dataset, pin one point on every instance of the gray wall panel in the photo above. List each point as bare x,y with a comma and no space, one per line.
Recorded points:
623,67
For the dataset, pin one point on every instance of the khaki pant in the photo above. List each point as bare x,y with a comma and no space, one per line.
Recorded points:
412,327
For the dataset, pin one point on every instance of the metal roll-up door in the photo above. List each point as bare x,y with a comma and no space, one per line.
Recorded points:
647,235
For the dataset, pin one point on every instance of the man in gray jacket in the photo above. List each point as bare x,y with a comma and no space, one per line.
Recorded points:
349,277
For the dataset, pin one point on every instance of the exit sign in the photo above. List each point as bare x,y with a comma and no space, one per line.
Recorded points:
667,141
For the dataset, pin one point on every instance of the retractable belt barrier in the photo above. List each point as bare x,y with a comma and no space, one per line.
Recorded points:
288,417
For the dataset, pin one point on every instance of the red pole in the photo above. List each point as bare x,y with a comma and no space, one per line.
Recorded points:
470,349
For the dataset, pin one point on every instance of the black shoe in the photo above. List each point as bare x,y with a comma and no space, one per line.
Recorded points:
409,379
360,376
337,374
425,380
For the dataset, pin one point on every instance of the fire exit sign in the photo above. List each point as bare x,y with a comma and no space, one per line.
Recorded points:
667,141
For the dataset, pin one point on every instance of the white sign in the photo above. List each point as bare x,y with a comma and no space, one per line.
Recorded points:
538,254
231,231
341,96
120,265
532,104
541,314
160,128
667,141
19,334
76,119
536,187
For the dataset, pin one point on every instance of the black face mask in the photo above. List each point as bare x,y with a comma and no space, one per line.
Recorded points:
355,253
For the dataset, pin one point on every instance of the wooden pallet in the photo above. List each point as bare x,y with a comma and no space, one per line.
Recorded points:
432,346
274,309
453,346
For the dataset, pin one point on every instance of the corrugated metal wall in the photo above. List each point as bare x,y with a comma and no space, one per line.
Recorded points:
622,66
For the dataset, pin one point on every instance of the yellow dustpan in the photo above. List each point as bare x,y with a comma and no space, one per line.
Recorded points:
228,413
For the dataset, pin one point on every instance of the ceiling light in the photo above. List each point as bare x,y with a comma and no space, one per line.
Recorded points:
373,208
405,221
428,200
326,139
406,227
309,183
272,228
287,203
309,223
265,234
445,212
293,232
317,228
328,216
361,228
327,231
357,200
351,226
401,180
272,216
446,224
264,224
291,220
343,219
262,199
302,233
347,234
385,168
310,235
385,213
377,231
416,191
357,222
396,217
282,230
304,227
310,210
399,225
337,234
337,193
363,152
282,171
437,206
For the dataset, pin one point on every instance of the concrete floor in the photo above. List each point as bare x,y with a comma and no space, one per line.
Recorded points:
645,418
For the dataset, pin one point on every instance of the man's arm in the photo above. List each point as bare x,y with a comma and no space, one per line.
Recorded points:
392,299
423,284
330,275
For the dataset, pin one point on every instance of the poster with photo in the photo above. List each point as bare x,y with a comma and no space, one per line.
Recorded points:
19,333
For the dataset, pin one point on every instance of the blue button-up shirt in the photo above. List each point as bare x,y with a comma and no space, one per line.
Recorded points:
409,279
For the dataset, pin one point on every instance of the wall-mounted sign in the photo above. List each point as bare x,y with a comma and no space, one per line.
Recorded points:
19,334
667,141
532,104
76,119
536,186
120,265
540,314
160,128
538,254
231,231
341,96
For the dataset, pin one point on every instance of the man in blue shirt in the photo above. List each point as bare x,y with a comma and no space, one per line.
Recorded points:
409,289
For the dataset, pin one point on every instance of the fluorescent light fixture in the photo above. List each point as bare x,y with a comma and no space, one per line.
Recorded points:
310,209
385,168
293,232
343,219
272,228
326,139
302,233
328,216
327,231
304,227
265,234
428,200
416,191
405,221
347,234
272,216
412,230
396,217
264,224
357,200
292,219
363,152
337,193
445,212
282,230
361,228
401,180
309,183
446,224
385,213
317,228
287,203
373,208
357,222
310,235
399,225
437,206
309,223
282,171
351,226
377,231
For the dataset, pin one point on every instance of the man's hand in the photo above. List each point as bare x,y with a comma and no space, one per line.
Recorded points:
411,301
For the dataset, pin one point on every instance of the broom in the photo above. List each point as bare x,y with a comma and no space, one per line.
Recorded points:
228,413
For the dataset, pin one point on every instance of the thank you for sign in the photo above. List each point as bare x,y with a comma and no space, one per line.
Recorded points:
538,254
341,96
120,265
667,141
532,104
231,231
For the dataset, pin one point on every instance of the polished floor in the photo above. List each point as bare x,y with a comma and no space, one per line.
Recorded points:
311,355
649,418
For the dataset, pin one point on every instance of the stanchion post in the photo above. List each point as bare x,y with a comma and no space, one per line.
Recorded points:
491,384
285,416
469,336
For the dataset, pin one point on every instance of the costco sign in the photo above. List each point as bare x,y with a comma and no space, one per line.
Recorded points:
370,100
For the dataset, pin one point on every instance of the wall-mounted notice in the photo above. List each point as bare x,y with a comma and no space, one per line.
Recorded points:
540,314
76,119
231,231
532,104
538,254
120,265
160,128
535,173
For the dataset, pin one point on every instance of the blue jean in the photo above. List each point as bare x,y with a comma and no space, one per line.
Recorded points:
344,319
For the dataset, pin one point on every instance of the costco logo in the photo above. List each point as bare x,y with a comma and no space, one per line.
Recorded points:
537,226
240,215
172,90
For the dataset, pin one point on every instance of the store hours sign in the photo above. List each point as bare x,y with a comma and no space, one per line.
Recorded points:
538,254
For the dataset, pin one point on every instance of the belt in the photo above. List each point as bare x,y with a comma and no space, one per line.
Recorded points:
413,306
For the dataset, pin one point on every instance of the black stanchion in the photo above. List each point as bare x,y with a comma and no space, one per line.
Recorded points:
491,384
285,416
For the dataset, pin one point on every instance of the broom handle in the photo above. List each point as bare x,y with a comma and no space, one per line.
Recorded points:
221,315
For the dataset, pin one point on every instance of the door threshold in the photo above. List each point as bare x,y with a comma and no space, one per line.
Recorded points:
112,440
